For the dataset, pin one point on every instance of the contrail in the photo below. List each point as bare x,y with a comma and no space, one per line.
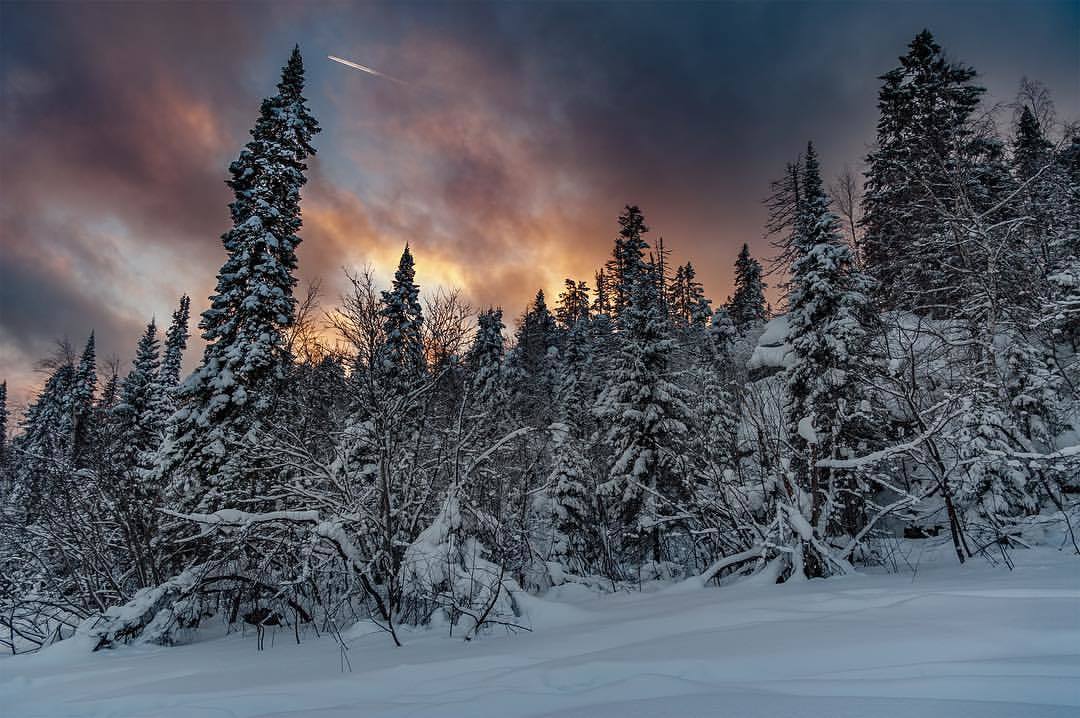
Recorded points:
362,68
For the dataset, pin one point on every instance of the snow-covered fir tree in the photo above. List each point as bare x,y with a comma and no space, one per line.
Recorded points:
224,404
827,309
485,360
688,305
533,360
922,135
3,421
176,339
573,303
83,392
747,305
402,361
645,411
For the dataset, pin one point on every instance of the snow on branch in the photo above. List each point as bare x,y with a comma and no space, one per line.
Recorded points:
236,517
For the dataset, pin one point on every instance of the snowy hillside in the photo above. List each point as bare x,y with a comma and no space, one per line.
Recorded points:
976,640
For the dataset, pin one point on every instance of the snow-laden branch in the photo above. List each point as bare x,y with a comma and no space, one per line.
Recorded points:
237,518
496,446
1067,452
888,452
700,580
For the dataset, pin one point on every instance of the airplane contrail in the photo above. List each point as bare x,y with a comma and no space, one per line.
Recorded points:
362,68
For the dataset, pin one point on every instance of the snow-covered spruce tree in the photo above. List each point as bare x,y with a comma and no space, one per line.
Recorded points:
566,520
520,469
712,377
485,360
645,411
747,304
137,424
1036,378
1062,307
83,391
573,303
384,436
222,407
402,360
532,362
3,441
488,399
571,534
141,394
687,303
44,439
176,339
827,308
923,132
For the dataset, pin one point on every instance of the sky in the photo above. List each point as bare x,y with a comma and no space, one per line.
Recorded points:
520,132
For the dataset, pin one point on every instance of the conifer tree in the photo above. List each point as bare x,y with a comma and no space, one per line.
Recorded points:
573,303
5,475
82,403
402,360
828,307
176,339
571,499
110,392
139,410
687,303
747,305
45,439
224,405
646,412
138,420
1032,151
3,422
602,300
485,358
923,136
532,362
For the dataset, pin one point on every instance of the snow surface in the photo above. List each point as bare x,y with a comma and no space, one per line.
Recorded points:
945,640
806,430
772,350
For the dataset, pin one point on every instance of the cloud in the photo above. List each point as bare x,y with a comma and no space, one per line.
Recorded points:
523,131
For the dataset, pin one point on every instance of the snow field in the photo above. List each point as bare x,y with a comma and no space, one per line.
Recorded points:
976,640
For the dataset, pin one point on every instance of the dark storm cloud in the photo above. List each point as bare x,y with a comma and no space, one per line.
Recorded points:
523,131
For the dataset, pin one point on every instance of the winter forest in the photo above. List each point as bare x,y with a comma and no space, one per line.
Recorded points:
400,459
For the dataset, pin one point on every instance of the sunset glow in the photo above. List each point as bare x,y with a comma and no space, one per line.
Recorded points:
504,162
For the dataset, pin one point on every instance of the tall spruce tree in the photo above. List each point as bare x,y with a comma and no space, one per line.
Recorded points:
176,339
5,473
402,360
687,303
645,411
45,439
224,405
485,359
828,308
532,363
3,422
139,409
138,420
573,303
747,305
83,391
923,137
